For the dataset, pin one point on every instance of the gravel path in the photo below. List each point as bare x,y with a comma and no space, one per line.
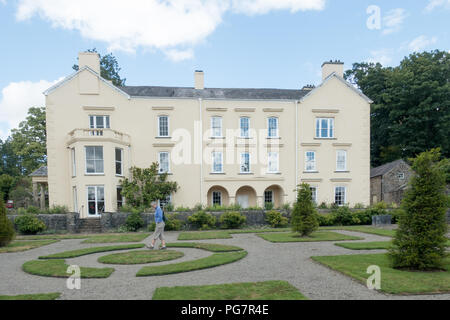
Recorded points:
265,261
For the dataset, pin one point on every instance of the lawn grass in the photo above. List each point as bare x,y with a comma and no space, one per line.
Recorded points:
58,269
19,246
53,237
363,229
260,230
86,251
370,245
269,290
141,256
205,235
315,237
392,280
117,238
214,260
204,246
38,296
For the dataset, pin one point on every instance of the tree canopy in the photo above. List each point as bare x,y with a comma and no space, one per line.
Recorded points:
411,109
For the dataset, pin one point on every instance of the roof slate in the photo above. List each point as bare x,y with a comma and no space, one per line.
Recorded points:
41,172
385,168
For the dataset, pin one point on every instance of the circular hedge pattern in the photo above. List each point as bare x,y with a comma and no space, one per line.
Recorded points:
141,257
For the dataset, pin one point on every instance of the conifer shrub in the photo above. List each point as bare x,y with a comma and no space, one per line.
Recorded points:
304,216
7,232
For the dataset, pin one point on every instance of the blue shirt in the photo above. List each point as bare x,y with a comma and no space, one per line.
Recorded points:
158,215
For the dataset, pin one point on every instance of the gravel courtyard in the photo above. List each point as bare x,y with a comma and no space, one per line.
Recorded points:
265,261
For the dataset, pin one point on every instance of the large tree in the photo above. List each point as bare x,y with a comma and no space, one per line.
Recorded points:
29,141
9,160
109,68
411,109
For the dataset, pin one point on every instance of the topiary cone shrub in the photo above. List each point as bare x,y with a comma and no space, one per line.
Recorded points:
7,232
419,243
304,216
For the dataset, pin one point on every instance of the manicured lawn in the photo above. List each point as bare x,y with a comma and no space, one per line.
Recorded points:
269,290
38,296
86,251
18,246
204,246
214,260
198,235
58,269
315,237
53,236
364,229
261,230
369,245
392,280
117,238
141,256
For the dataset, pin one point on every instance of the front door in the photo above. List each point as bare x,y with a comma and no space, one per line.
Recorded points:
242,200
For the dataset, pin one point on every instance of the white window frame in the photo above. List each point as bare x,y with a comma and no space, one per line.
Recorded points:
96,187
277,132
159,126
241,129
213,155
75,199
345,195
74,162
242,163
160,171
330,131
269,157
220,197
307,162
314,194
116,161
213,133
86,160
344,152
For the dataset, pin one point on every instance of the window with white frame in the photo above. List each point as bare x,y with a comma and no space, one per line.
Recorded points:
217,198
341,160
119,161
272,127
163,126
310,161
164,166
96,200
74,162
244,124
94,160
401,176
245,162
314,194
98,122
216,127
325,128
340,194
273,162
217,162
268,196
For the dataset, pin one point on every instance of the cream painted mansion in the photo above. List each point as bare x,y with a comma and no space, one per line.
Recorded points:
222,146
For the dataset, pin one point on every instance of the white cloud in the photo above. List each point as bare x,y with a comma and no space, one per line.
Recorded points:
422,42
394,20
150,24
433,4
17,98
383,56
179,55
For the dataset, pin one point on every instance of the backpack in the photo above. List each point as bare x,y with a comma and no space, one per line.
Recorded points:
163,216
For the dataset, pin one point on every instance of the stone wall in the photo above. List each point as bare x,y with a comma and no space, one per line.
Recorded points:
56,222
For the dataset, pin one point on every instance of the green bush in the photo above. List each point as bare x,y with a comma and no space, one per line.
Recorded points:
7,232
168,207
323,205
134,222
304,216
33,210
58,210
276,219
268,206
342,216
21,211
359,206
172,223
325,220
232,220
29,224
182,209
198,207
202,220
287,207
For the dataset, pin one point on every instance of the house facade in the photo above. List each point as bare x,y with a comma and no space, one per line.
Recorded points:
222,146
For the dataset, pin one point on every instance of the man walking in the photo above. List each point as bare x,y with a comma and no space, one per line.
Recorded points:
159,229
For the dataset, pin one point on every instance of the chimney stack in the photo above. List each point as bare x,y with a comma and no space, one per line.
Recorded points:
331,67
199,78
89,59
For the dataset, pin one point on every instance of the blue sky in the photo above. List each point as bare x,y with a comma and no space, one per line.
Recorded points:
246,43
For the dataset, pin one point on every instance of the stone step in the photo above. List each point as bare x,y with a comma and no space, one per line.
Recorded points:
90,226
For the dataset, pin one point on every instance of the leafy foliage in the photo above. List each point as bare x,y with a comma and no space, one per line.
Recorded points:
147,185
6,185
304,216
7,232
276,219
29,224
420,239
202,220
232,220
134,222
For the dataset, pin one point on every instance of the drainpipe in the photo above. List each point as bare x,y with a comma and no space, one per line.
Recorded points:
200,105
296,144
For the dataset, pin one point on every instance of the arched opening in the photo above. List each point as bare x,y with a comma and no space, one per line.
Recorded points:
275,195
218,196
246,197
